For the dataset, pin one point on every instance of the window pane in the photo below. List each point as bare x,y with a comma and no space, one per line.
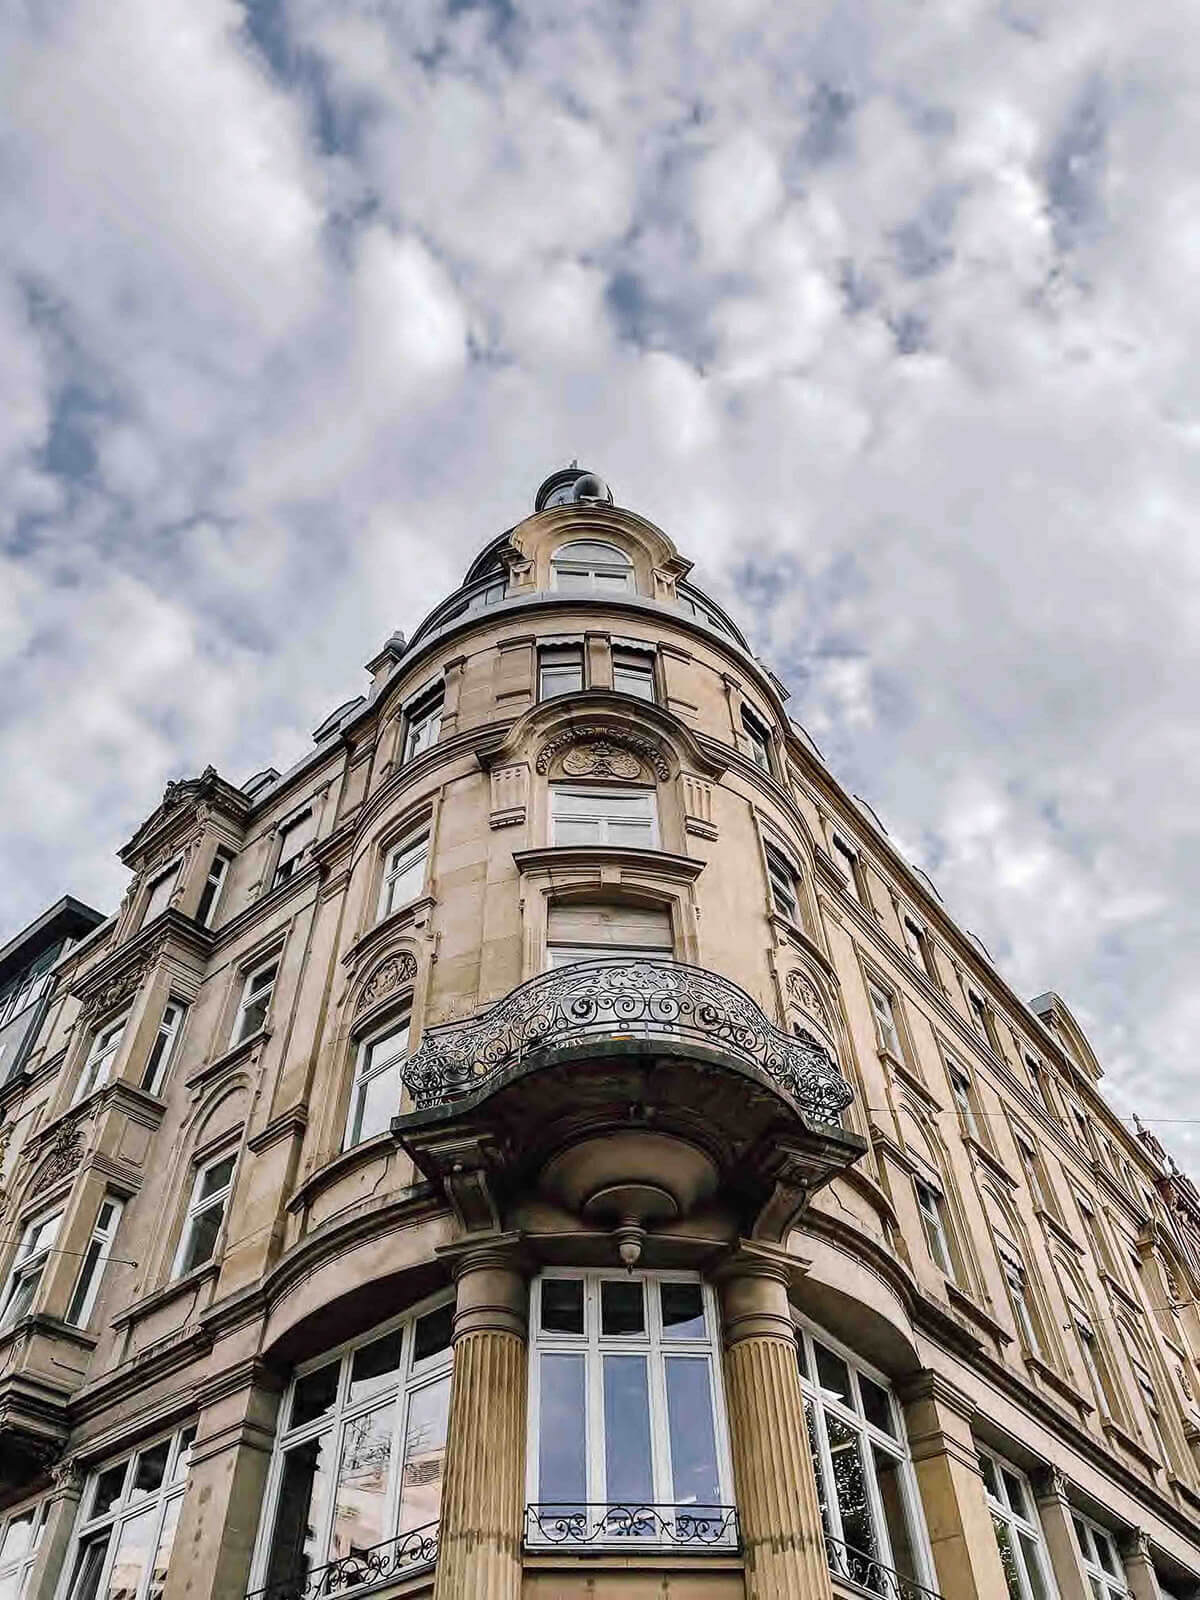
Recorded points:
374,1367
215,1178
364,1470
202,1237
18,1536
991,1477
833,1375
377,1101
621,1307
424,1455
633,835
149,1468
628,1474
895,1515
433,1332
1014,1493
850,1483
1008,1557
108,1488
134,1544
315,1393
818,1470
184,1456
682,1311
562,1305
162,1556
577,830
89,1563
1032,1563
692,1431
562,1461
300,1517
876,1403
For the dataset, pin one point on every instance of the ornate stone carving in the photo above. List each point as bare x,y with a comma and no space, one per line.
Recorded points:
121,988
602,759
68,1476
609,740
63,1157
5,1136
395,971
619,996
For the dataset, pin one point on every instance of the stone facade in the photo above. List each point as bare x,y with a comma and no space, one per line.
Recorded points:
550,1143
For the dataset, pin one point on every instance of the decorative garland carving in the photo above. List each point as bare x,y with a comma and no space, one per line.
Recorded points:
64,1156
604,739
396,970
121,988
603,759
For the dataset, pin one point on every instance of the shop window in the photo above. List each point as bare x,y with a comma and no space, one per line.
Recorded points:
590,931
127,1521
627,1435
357,1470
1018,1532
583,814
870,1512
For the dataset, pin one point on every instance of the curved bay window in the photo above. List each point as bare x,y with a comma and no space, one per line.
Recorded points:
356,1481
627,1428
870,1513
592,564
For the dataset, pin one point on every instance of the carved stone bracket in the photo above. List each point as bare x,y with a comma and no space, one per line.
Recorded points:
603,752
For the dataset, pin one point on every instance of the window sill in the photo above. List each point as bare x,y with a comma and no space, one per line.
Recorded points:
187,1284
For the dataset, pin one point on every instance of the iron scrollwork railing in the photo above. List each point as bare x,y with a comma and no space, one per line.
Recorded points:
857,1567
615,997
394,1558
574,1524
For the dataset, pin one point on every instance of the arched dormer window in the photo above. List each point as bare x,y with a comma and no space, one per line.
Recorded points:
592,565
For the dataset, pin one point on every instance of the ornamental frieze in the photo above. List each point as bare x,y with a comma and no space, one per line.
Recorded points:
604,752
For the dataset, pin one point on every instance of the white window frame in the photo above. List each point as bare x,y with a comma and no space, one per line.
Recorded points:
1016,1281
1035,1176
916,942
961,1092
214,887
164,1046
1093,1542
782,875
199,1207
758,733
130,1506
887,1022
33,1253
250,998
169,873
566,954
1002,1484
411,1378
593,1346
16,1560
288,866
95,1258
604,819
636,667
1039,1077
97,1067
1085,1337
367,1070
847,857
403,858
819,1404
931,1204
558,660
423,721
599,576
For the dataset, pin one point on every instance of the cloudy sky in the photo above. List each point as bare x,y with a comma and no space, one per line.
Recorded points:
888,312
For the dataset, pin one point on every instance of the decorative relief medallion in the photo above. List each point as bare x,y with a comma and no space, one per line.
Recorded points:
64,1156
607,746
803,992
601,760
396,970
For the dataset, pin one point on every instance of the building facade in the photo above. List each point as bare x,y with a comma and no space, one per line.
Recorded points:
549,1143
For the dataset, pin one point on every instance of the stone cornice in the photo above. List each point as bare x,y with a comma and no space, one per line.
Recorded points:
576,857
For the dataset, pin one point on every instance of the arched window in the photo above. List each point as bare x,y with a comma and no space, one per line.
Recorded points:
592,564
357,1468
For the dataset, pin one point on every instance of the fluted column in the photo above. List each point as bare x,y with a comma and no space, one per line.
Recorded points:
483,1498
778,1512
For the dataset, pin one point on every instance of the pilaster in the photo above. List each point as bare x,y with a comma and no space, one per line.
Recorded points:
1139,1568
1054,1511
55,1544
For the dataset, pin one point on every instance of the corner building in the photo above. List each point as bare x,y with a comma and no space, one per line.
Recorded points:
550,1144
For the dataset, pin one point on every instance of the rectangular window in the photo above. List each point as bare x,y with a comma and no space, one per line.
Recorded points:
1035,1176
98,1066
159,897
1018,1293
1018,1531
590,815
205,1214
1037,1076
29,1263
964,1100
930,1204
162,1051
626,1424
759,739
1101,1562
359,1460
916,942
375,1095
127,1521
210,895
785,895
87,1285
560,670
423,723
633,673
870,1511
886,1031
404,875
847,859
981,1017
255,1003
590,931
20,1536
294,845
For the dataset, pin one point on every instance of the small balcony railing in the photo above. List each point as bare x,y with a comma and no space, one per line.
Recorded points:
632,1523
406,1554
617,998
865,1572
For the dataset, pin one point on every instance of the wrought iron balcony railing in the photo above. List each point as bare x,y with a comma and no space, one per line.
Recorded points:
869,1574
407,1553
618,997
574,1524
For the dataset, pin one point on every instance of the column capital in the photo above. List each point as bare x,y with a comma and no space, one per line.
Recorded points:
753,1279
491,1272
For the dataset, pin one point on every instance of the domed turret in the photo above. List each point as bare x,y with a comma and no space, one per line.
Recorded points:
570,486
